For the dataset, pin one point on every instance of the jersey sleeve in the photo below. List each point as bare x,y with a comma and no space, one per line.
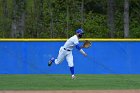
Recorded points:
76,43
78,47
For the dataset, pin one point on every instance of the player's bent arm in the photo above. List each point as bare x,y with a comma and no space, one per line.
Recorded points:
81,50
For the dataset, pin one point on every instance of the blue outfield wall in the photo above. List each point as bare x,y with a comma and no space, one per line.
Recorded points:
103,58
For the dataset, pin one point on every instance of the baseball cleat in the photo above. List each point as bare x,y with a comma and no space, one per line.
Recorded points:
73,77
50,61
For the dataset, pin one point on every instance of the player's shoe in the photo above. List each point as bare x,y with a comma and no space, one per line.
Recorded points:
51,61
73,77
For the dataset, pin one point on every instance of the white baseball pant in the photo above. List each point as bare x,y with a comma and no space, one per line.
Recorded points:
65,54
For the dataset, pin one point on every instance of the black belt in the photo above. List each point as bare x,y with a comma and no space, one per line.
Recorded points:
67,49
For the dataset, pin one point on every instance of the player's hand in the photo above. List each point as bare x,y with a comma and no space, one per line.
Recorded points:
85,54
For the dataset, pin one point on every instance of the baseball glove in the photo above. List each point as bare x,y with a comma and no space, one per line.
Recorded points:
86,44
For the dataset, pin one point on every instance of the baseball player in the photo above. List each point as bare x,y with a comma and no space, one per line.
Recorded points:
66,51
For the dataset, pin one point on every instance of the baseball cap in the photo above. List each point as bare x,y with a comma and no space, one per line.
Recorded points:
80,31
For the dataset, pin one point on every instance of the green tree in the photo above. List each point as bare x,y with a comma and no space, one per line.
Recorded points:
18,19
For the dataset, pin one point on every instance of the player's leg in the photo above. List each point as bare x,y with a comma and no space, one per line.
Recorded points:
60,58
69,59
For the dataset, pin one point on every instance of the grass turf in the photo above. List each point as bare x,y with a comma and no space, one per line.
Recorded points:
64,82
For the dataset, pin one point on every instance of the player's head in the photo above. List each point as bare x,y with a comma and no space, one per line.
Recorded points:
79,32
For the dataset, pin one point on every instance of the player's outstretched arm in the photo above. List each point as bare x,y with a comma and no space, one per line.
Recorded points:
81,50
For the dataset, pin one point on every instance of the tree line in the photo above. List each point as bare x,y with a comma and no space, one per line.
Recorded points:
60,18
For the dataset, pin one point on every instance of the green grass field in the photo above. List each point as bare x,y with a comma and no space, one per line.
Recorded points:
64,82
